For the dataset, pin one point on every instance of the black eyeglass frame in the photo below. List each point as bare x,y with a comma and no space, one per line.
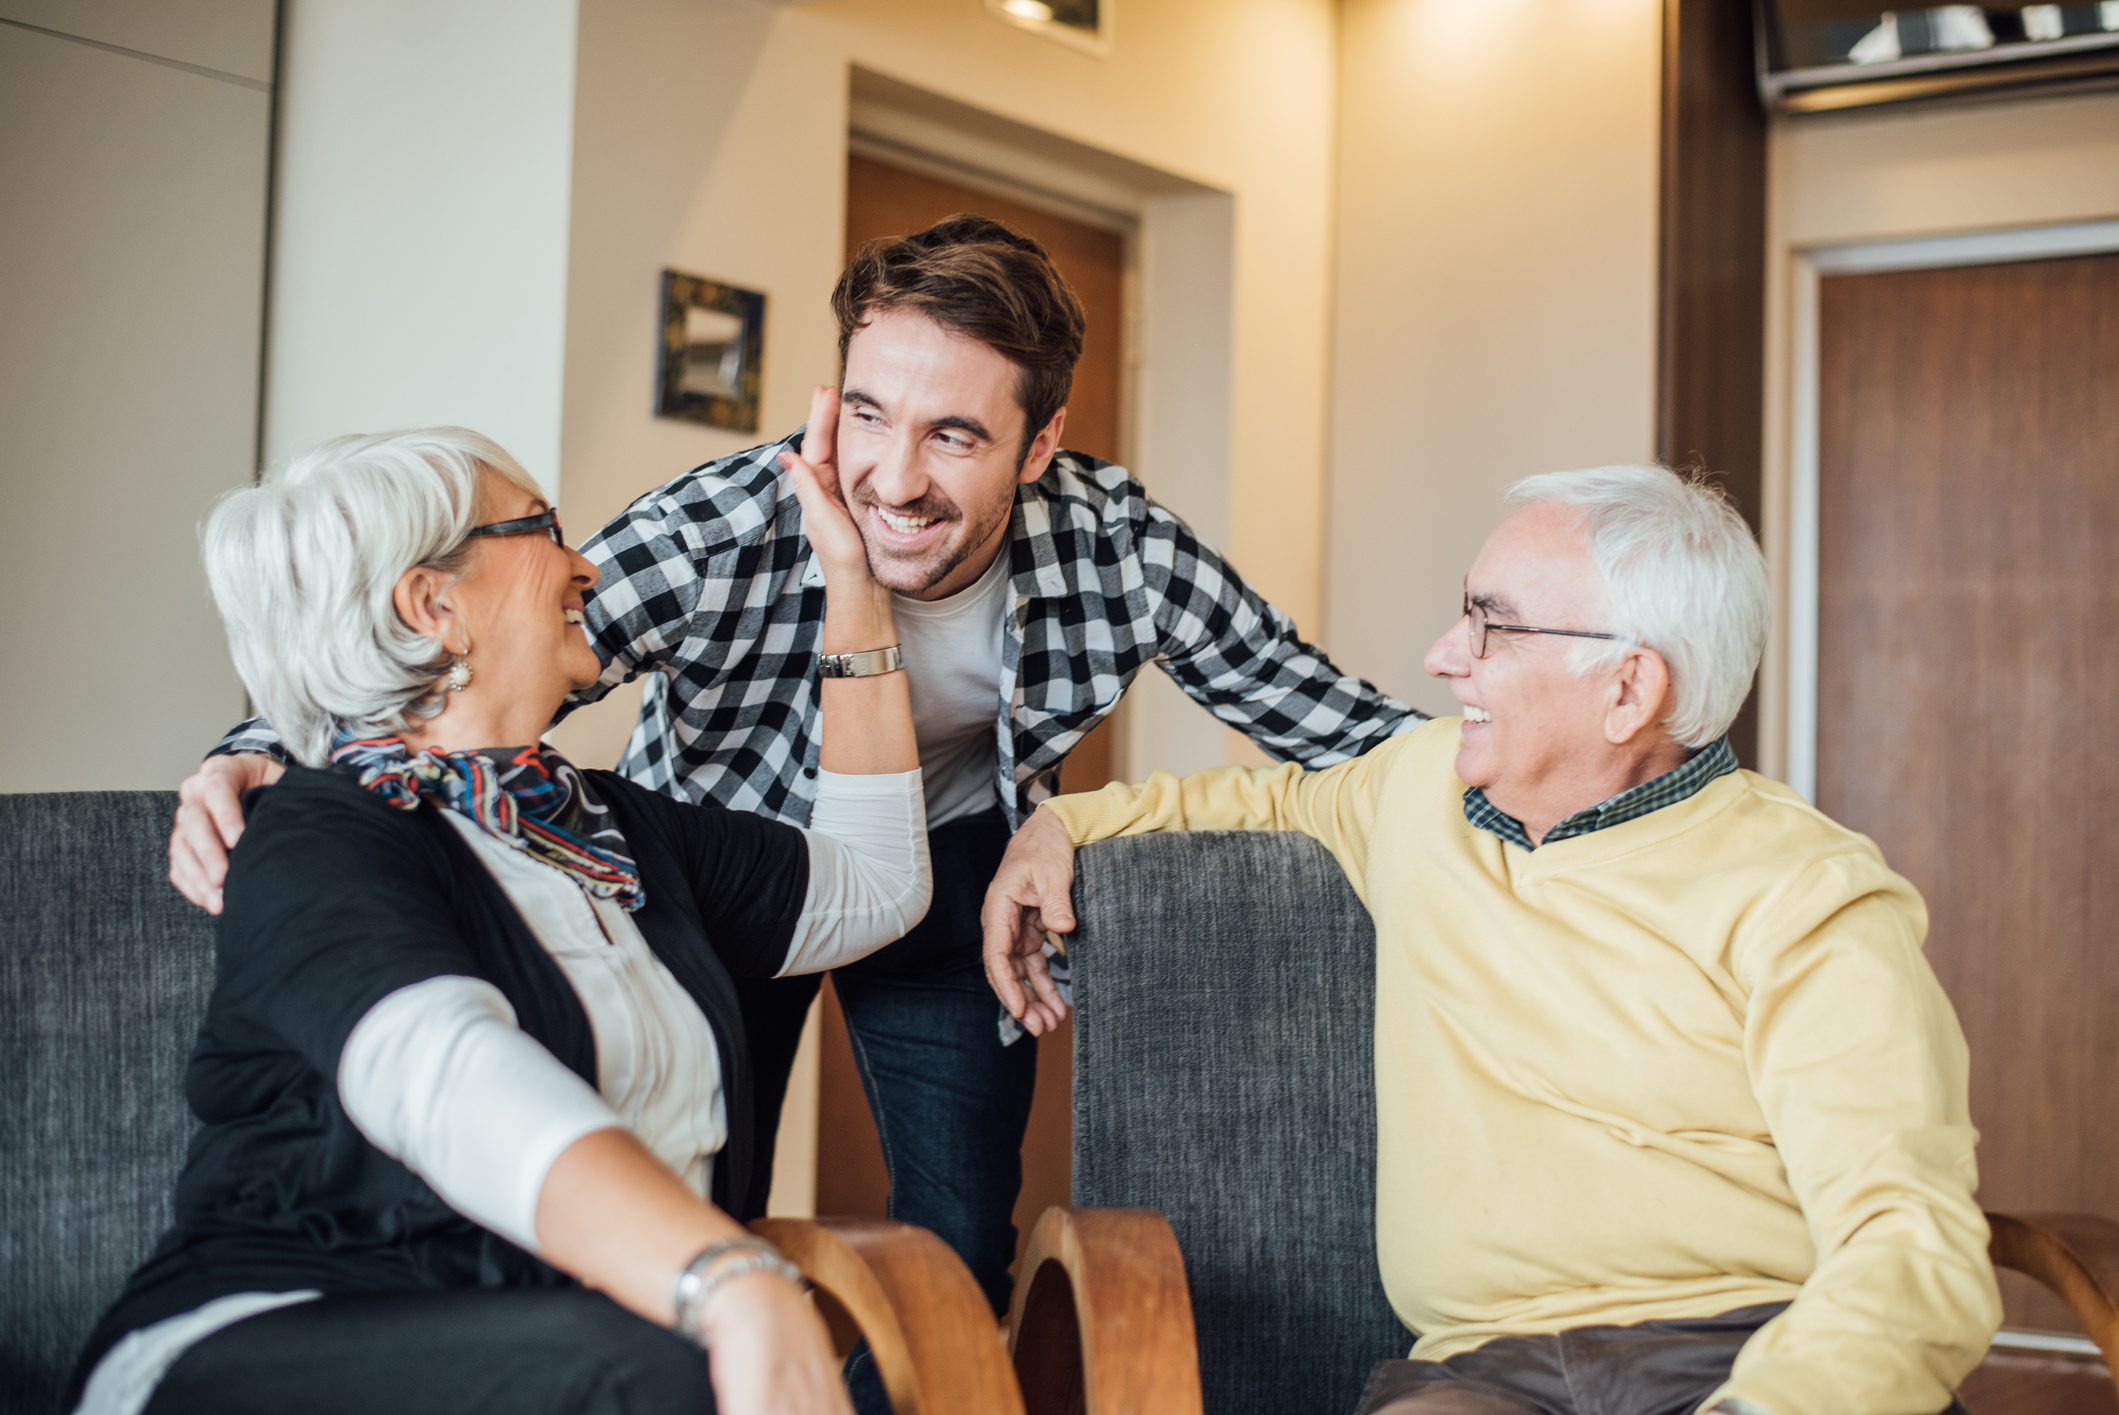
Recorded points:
1477,626
546,521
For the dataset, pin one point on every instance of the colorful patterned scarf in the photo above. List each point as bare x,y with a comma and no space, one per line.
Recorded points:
533,798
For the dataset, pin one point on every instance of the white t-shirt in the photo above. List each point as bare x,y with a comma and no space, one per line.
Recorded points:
953,668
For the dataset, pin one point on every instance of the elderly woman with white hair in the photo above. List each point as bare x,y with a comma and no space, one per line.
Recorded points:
477,1128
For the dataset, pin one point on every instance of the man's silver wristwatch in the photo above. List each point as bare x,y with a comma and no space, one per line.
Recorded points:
861,665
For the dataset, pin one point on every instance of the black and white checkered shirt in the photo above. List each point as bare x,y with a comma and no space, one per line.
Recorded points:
709,585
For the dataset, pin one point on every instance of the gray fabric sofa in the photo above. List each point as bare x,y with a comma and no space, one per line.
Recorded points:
104,972
1223,1074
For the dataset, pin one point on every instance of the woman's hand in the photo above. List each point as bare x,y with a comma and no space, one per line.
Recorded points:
613,1215
771,1353
826,523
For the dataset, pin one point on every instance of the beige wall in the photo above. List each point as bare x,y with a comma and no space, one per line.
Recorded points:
710,135
420,223
1858,177
1495,298
133,163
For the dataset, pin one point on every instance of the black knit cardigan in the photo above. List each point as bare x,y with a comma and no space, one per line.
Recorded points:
334,901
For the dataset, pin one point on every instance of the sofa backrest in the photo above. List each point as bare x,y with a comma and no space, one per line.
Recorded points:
1224,987
104,974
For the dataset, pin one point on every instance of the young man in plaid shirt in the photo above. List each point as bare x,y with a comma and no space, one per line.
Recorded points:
1032,585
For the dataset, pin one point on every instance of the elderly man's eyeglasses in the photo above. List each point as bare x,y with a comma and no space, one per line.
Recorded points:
548,522
1475,621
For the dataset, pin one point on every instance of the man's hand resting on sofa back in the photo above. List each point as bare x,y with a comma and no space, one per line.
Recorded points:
1029,897
210,821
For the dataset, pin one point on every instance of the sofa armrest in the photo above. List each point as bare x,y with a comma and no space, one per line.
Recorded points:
1102,1319
926,1322
2077,1256
1224,1078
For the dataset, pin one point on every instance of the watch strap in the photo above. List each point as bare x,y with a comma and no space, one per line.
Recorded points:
861,665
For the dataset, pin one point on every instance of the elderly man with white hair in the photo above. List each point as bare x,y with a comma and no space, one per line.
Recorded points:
1671,1110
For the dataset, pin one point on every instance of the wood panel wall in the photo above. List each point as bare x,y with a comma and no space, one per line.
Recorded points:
1711,346
1968,593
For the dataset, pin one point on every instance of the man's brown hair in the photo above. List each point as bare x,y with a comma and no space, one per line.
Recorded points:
977,278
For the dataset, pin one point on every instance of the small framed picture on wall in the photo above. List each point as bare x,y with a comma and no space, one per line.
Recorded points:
713,352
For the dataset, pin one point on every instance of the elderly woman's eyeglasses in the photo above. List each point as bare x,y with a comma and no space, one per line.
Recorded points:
549,522
1476,624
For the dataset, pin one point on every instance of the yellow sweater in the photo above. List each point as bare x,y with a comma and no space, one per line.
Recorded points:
1681,1065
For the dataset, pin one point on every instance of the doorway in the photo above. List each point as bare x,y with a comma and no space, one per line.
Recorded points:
887,200
1966,613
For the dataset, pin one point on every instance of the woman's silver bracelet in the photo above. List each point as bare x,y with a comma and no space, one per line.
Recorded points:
696,1284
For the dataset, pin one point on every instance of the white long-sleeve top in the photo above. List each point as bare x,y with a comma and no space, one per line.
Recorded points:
439,1076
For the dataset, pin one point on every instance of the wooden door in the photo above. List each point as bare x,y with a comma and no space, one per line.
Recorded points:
882,200
1968,684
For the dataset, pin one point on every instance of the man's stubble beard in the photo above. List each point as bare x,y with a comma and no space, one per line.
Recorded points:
909,577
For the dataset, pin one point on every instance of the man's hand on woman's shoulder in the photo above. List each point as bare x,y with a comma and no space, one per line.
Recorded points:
1029,897
210,821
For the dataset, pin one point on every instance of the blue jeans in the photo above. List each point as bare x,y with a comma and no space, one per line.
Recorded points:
950,1102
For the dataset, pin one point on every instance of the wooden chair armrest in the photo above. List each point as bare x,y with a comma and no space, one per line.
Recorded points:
1102,1318
2077,1256
928,1327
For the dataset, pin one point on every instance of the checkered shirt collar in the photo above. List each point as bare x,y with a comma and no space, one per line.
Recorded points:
1715,760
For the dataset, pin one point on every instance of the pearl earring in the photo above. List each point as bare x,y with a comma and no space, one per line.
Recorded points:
459,677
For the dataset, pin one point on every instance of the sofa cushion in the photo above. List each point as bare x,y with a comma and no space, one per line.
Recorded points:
104,974
1223,1074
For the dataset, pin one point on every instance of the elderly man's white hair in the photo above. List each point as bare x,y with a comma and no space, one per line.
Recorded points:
303,566
1682,575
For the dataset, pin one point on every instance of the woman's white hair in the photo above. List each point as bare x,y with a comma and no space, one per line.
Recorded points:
304,564
1682,575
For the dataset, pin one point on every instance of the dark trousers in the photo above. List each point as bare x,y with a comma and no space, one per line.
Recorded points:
950,1102
1654,1368
553,1351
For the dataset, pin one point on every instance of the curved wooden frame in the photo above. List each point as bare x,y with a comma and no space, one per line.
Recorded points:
2077,1256
933,1337
1102,1318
